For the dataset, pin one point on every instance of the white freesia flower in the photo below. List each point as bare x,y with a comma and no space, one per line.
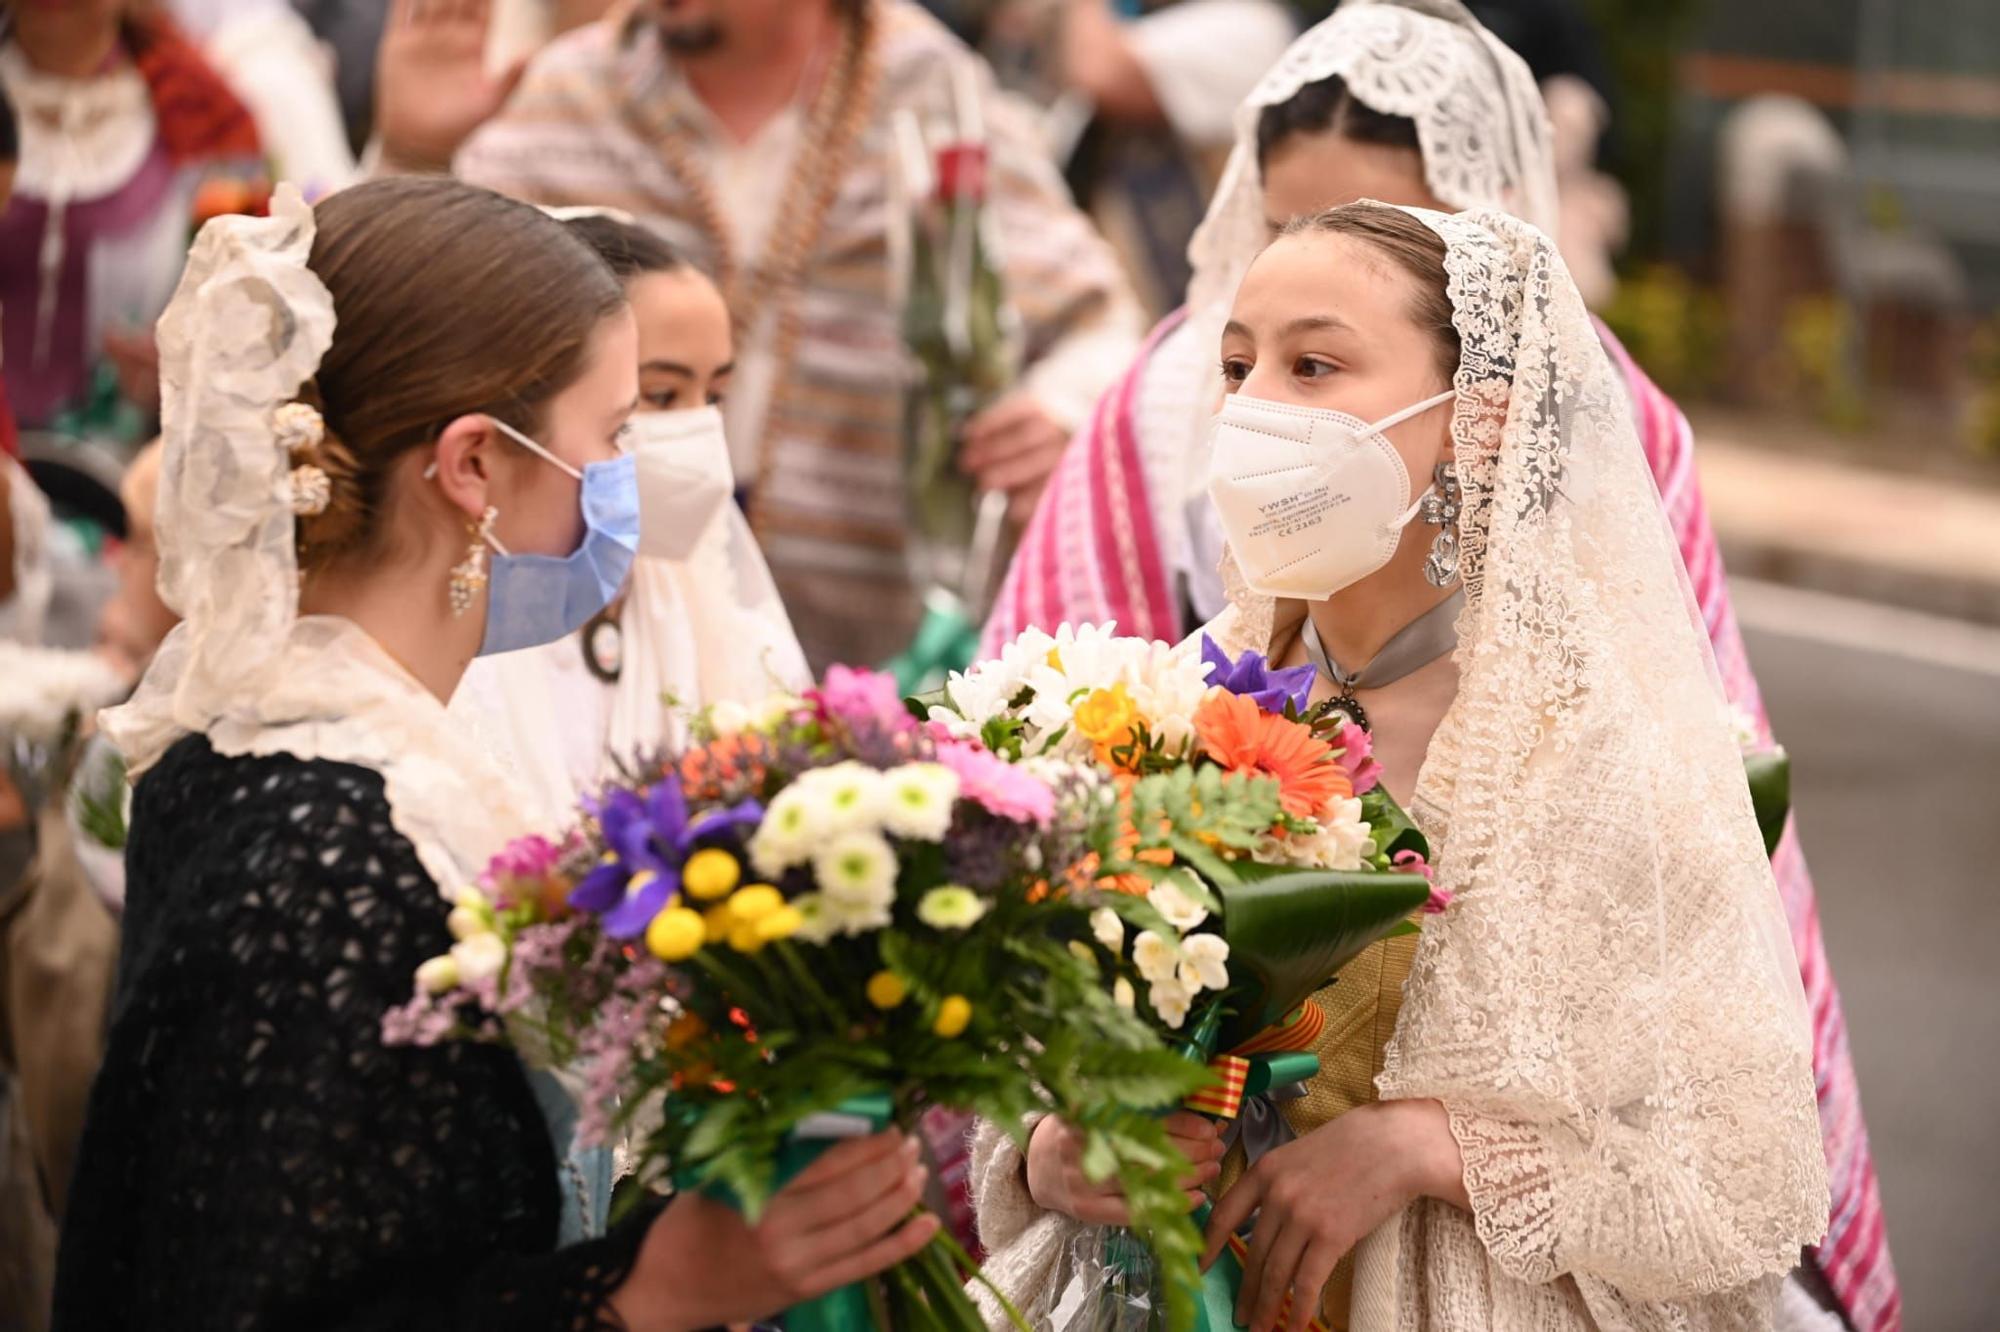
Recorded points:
727,717
438,975
1174,902
918,801
1109,928
1204,961
1155,957
857,869
471,899
479,957
1121,994
1170,999
464,922
951,907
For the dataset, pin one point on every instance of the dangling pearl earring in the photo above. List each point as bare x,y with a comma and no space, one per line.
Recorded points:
1441,511
468,579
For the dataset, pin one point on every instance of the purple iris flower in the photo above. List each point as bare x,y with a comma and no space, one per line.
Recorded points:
646,841
1251,676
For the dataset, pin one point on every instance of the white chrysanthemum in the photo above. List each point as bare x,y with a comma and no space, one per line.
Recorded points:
1204,963
1175,903
1170,999
1743,726
1156,958
955,726
793,827
479,957
918,798
852,918
1109,929
857,869
1121,994
1168,685
951,907
48,687
818,920
848,796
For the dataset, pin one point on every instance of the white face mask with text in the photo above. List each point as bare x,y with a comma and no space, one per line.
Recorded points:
1312,500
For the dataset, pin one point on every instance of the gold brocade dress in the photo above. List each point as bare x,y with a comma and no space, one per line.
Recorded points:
1360,1006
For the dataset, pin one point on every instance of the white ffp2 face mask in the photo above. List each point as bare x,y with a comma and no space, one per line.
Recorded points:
685,479
1312,500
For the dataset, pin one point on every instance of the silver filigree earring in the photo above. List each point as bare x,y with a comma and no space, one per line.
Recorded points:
1440,510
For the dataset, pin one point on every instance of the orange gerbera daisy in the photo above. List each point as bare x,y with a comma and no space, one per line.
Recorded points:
1242,737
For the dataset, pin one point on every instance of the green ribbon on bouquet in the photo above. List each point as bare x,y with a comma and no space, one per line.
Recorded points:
849,1309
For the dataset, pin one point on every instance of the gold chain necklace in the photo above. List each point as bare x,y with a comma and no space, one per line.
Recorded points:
833,124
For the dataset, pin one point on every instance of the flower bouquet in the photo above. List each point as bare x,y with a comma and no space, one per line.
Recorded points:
822,907
1227,931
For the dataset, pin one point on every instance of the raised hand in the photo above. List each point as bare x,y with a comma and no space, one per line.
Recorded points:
431,86
846,1216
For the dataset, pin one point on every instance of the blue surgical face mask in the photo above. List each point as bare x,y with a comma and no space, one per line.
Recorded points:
536,599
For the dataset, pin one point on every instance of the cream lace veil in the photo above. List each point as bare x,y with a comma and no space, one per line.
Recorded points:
246,328
1486,143
1610,1009
1480,122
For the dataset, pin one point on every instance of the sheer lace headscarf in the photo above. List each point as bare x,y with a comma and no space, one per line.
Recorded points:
1481,125
1610,1008
246,329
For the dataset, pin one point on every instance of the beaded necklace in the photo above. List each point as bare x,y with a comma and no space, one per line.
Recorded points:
834,120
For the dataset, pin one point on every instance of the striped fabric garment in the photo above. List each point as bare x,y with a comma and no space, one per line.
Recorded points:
1094,553
588,127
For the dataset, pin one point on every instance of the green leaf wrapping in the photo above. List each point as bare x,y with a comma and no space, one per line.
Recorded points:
1290,930
1770,776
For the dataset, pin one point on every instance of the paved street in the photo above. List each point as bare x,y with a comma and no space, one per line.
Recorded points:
1893,722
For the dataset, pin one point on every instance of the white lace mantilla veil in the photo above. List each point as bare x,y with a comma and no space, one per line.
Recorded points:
1486,142
246,328
1610,1009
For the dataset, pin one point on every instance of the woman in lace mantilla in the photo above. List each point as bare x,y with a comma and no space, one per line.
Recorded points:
1596,1101
255,1156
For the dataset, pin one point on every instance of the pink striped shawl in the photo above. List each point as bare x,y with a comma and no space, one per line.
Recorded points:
1093,554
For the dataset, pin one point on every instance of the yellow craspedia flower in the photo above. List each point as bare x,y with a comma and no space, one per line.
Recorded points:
780,924
953,1015
743,936
710,873
676,934
1106,715
717,920
758,900
886,990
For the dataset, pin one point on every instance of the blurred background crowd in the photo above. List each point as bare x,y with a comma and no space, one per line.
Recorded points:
1788,212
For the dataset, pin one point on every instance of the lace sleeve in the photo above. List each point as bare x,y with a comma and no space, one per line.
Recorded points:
255,1157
